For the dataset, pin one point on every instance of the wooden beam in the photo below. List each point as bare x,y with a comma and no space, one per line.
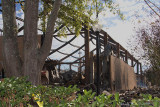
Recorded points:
62,45
71,34
141,72
105,39
70,62
141,68
126,56
92,67
118,50
132,61
20,29
71,53
70,66
59,68
79,68
137,67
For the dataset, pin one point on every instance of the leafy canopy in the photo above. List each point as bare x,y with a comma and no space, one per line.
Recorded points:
74,14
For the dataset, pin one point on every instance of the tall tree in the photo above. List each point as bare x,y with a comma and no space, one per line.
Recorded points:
34,57
70,13
12,60
150,40
148,37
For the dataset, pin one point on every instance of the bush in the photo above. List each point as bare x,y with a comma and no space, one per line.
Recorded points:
18,92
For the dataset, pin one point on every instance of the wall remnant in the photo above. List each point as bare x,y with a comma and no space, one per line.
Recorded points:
122,75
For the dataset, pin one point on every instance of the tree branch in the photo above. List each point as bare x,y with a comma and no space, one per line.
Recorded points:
154,5
151,8
45,48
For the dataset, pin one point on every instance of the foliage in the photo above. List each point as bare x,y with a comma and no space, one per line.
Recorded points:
18,92
147,48
15,91
88,99
74,14
151,44
146,101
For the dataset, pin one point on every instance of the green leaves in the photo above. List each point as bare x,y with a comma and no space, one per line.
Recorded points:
75,13
117,97
16,91
146,101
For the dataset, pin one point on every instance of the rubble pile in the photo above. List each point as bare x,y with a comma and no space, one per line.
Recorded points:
71,77
128,95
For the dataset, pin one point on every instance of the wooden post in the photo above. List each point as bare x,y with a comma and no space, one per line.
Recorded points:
111,76
141,68
100,65
141,71
70,66
118,50
137,67
79,68
59,67
91,68
126,56
87,57
95,70
132,61
105,39
123,58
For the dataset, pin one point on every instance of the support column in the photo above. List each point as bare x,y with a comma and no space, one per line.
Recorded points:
70,66
98,61
105,39
141,72
132,61
137,67
141,68
126,57
79,68
59,67
91,68
87,57
118,50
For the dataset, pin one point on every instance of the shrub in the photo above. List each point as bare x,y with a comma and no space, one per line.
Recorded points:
18,92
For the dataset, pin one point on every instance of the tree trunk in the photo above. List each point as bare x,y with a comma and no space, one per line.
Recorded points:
31,68
34,57
46,47
11,59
